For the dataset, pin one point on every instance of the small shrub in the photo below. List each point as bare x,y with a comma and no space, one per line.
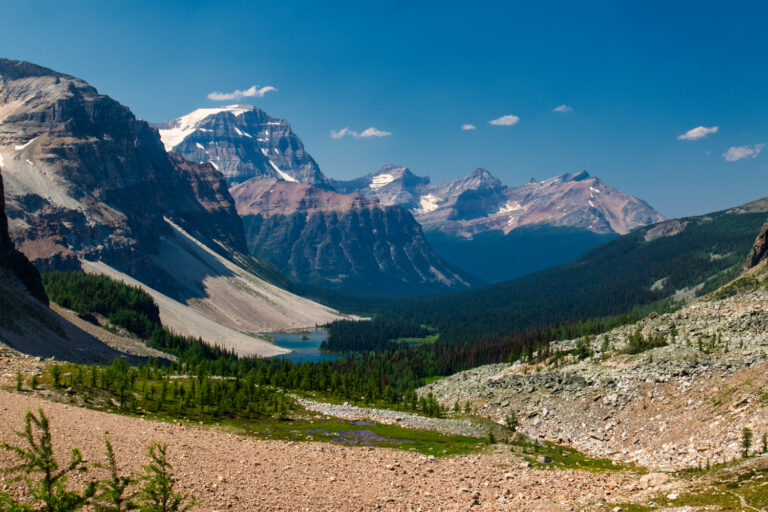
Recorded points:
157,493
39,470
746,441
511,421
113,494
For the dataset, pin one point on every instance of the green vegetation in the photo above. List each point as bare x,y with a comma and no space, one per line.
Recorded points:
127,306
367,433
431,338
608,281
378,334
746,441
156,389
639,343
743,284
158,484
48,487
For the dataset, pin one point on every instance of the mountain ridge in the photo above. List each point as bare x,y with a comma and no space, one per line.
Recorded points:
341,241
480,202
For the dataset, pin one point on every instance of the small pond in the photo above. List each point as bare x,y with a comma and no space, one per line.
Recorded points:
305,345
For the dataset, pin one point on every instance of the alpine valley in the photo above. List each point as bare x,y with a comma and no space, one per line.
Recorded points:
207,307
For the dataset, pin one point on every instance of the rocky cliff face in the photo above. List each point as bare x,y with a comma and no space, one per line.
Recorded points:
759,251
86,179
89,186
479,202
242,142
12,262
342,241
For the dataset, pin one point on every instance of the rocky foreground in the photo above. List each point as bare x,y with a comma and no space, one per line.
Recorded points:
239,473
676,406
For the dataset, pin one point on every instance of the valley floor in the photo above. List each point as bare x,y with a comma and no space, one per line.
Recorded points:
235,472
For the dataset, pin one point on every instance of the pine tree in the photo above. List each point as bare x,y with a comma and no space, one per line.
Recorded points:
37,458
511,421
157,493
113,495
746,441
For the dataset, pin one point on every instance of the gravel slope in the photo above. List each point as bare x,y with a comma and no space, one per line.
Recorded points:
232,472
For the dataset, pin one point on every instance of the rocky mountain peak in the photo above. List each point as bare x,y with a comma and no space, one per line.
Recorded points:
85,179
480,202
18,69
242,142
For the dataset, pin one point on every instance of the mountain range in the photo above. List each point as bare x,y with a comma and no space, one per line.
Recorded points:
474,224
90,186
343,241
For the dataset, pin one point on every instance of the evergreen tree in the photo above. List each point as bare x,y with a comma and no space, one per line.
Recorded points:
46,482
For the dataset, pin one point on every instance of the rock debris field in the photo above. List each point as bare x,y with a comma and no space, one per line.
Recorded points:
234,472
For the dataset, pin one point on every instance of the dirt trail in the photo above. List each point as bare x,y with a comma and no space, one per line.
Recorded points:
233,472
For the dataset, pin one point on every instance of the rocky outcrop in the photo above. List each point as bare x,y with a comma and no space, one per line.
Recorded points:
342,241
479,202
679,405
13,262
759,251
86,179
242,142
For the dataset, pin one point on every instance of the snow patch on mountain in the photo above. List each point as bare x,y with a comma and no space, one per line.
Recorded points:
283,175
428,203
19,147
381,180
186,125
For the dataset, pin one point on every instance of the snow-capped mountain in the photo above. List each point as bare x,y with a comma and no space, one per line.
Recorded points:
242,142
479,202
392,185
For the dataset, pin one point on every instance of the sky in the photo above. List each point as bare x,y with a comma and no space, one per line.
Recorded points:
664,100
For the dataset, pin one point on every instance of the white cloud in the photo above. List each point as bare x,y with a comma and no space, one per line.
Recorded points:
563,108
698,133
507,120
368,132
738,152
468,126
253,91
373,132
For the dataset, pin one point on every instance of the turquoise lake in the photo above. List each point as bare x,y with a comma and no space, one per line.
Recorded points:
305,345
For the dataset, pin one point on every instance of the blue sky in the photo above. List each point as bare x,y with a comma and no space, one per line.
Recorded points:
636,74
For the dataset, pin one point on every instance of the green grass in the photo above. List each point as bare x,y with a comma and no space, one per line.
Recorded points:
343,432
426,339
567,458
430,380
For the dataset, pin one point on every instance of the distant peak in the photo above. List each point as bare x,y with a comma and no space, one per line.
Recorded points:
173,132
480,172
393,168
18,69
576,176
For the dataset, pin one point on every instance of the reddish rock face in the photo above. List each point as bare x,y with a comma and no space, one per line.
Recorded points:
760,249
86,179
342,241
